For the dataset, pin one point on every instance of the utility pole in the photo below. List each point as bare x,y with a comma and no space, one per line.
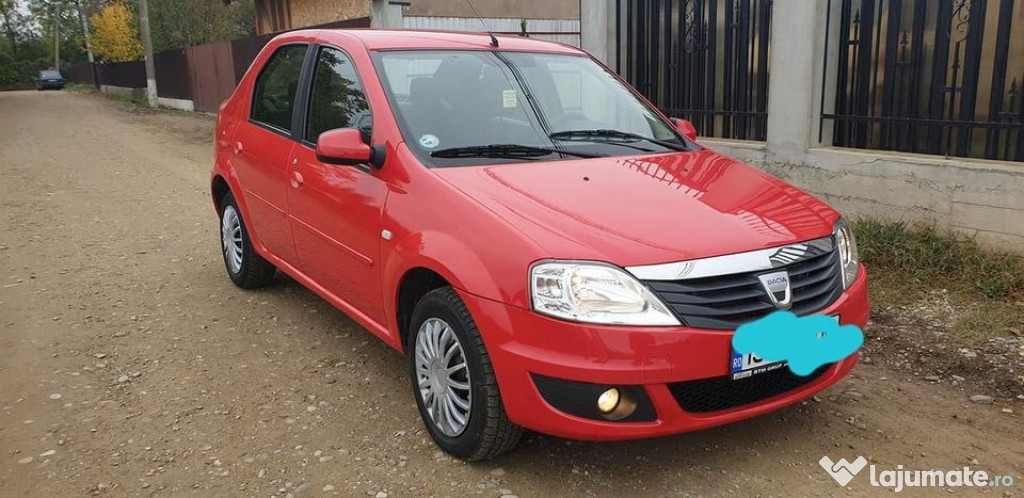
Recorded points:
147,45
88,44
85,30
56,39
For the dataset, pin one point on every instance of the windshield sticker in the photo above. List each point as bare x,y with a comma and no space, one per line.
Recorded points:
508,99
429,141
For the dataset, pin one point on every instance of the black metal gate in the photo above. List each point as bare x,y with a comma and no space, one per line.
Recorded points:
931,76
703,60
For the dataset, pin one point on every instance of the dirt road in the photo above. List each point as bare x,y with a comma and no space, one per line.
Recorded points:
130,366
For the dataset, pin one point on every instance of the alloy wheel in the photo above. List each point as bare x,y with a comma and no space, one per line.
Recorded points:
442,376
231,238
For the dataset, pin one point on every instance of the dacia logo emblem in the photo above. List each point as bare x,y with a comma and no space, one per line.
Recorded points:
776,285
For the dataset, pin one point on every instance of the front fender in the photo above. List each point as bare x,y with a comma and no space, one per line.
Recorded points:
447,256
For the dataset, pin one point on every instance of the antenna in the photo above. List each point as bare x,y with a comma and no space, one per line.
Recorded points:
494,41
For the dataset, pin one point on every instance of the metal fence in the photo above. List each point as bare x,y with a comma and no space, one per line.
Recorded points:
124,74
703,60
172,70
939,77
81,73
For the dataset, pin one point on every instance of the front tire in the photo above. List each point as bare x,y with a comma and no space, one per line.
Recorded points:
246,269
453,380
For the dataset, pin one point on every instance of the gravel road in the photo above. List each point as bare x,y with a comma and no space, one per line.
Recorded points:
130,366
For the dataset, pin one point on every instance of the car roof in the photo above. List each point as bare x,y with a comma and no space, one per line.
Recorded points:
379,39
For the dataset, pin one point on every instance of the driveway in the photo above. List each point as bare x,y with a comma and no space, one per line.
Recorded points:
131,366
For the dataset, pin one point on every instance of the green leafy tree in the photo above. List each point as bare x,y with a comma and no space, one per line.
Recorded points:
48,16
181,23
22,52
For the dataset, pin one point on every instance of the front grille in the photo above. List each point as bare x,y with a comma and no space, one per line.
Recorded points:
722,393
727,301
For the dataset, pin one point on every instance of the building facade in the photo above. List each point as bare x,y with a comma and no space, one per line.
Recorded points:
556,20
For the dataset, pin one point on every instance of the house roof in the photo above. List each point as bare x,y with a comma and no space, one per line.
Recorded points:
375,39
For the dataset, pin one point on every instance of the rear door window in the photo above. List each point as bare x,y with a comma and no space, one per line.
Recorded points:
273,99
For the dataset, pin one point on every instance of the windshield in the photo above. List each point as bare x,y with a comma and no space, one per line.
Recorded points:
473,106
49,74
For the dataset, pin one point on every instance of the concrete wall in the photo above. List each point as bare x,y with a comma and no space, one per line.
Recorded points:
979,197
597,29
179,104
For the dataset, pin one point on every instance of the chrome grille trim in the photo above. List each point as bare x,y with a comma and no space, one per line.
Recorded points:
730,264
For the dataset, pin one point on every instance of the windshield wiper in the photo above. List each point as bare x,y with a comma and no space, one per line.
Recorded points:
611,135
514,151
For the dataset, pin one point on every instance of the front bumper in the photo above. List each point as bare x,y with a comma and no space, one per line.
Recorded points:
522,343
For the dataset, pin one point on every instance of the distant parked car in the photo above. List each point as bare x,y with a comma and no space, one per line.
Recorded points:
50,78
549,250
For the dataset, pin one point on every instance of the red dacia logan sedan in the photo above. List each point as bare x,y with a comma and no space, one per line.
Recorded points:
548,249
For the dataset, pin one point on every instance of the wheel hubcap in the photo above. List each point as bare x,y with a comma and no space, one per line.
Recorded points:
231,238
442,376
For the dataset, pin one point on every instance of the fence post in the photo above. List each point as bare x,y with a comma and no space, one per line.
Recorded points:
598,28
387,14
797,40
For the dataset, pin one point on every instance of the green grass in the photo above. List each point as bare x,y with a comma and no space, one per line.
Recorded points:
71,86
922,255
909,263
140,101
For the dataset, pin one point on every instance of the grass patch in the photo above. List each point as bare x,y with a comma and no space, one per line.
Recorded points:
909,263
71,86
140,101
922,256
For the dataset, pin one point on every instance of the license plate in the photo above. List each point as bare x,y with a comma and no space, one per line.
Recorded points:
749,365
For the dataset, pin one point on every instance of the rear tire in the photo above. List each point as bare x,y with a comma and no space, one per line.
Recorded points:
246,269
443,337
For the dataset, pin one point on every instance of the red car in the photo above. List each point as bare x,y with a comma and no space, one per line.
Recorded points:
548,249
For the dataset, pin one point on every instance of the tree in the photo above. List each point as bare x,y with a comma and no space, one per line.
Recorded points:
114,37
22,53
183,23
13,22
58,19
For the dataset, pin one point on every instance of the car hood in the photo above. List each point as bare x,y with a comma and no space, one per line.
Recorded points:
645,210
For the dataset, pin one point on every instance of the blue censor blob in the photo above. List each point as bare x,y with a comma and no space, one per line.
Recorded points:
805,343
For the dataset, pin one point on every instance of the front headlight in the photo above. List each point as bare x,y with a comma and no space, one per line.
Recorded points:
594,293
847,246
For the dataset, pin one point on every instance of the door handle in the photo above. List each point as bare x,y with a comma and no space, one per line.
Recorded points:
296,179
238,147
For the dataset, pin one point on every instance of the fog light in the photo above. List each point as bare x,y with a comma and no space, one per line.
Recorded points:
608,400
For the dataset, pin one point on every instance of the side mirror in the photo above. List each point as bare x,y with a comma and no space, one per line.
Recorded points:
343,146
685,128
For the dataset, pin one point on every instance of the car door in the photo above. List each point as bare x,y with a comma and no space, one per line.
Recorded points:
263,146
335,211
